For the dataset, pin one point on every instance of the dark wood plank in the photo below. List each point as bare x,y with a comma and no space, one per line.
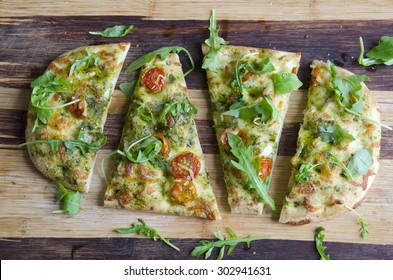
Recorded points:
141,248
29,44
14,124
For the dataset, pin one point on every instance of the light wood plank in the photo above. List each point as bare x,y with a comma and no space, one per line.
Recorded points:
234,10
27,199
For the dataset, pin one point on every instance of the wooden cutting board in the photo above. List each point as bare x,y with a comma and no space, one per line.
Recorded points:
27,199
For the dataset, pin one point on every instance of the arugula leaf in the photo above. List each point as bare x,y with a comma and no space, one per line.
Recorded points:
336,161
161,163
116,31
262,112
334,134
128,88
143,229
175,108
245,164
304,172
85,61
360,162
363,225
70,200
319,237
232,241
70,145
162,53
143,150
264,66
285,82
380,54
211,60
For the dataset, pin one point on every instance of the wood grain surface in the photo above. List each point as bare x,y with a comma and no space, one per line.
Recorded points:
26,198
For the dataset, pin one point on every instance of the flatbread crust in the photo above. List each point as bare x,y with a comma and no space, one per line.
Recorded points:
147,186
94,85
327,194
264,139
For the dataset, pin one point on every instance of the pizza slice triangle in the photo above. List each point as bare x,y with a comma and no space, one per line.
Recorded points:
249,90
68,110
160,166
337,155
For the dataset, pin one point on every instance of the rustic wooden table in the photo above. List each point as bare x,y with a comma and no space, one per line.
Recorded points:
33,33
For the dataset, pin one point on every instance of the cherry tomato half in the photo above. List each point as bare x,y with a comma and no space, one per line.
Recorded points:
265,167
154,79
183,192
165,149
185,164
238,132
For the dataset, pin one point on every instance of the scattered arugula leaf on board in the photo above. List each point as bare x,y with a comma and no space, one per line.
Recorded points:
360,162
70,201
285,82
162,53
334,134
380,54
116,31
143,229
232,241
319,237
363,225
211,60
348,93
128,88
245,163
262,112
70,145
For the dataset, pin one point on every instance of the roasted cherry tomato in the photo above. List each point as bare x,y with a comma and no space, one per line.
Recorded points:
265,167
165,149
186,166
238,132
183,192
154,79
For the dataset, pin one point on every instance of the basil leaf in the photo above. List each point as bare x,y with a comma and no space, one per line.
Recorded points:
114,32
244,156
211,60
360,162
128,88
380,54
285,82
162,53
263,111
319,237
70,200
334,134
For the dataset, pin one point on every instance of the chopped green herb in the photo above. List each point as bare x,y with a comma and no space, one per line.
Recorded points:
285,82
70,200
245,164
334,134
116,31
162,53
319,237
232,241
380,54
143,229
211,60
360,162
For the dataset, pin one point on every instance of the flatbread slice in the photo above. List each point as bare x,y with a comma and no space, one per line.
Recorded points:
162,167
68,110
337,155
250,92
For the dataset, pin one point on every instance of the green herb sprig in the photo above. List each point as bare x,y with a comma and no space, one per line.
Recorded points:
334,134
380,54
162,53
116,31
70,201
232,241
85,62
211,60
143,229
304,172
363,225
245,163
319,237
